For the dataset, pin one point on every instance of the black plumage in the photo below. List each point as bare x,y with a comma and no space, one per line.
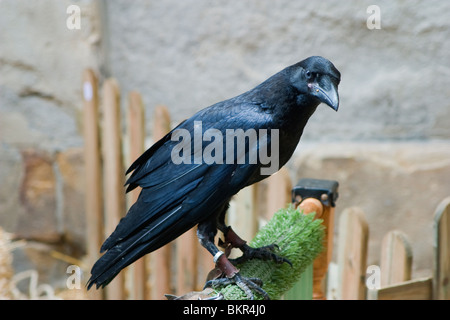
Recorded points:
176,197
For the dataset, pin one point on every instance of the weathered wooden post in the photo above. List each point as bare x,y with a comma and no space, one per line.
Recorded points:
441,277
136,141
93,169
113,177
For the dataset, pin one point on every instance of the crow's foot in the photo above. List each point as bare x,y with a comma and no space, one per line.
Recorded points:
262,253
232,240
246,284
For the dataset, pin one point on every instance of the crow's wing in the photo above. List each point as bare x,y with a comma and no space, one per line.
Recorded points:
167,185
175,197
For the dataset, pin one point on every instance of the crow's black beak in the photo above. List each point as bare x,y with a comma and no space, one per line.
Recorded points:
326,91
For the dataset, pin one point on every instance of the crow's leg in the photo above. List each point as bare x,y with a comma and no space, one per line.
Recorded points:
230,274
232,240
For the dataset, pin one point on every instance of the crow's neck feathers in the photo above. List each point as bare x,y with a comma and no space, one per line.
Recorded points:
286,103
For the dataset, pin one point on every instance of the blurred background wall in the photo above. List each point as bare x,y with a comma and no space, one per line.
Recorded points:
388,146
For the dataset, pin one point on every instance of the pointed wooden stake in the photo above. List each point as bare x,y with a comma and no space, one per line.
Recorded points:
161,258
93,169
352,254
136,136
113,177
396,258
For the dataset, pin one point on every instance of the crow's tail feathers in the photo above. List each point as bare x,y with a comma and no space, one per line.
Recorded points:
126,251
113,261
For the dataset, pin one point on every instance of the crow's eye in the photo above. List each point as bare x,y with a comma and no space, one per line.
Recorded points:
308,74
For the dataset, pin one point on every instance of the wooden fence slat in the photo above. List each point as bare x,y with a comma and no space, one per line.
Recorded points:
187,253
441,277
93,172
242,216
113,177
204,265
136,138
279,192
352,254
396,258
161,122
417,289
186,260
160,260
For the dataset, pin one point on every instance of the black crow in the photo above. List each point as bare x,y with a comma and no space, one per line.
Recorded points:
189,176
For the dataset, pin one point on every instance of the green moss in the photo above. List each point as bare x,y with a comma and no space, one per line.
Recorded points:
299,238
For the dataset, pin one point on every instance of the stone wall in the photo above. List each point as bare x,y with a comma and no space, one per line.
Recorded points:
388,145
41,146
184,55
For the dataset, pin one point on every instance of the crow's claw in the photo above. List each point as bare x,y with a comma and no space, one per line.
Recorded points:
263,253
246,284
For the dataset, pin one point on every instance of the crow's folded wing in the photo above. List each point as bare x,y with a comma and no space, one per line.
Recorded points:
181,195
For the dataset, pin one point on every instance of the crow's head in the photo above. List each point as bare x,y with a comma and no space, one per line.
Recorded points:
317,77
